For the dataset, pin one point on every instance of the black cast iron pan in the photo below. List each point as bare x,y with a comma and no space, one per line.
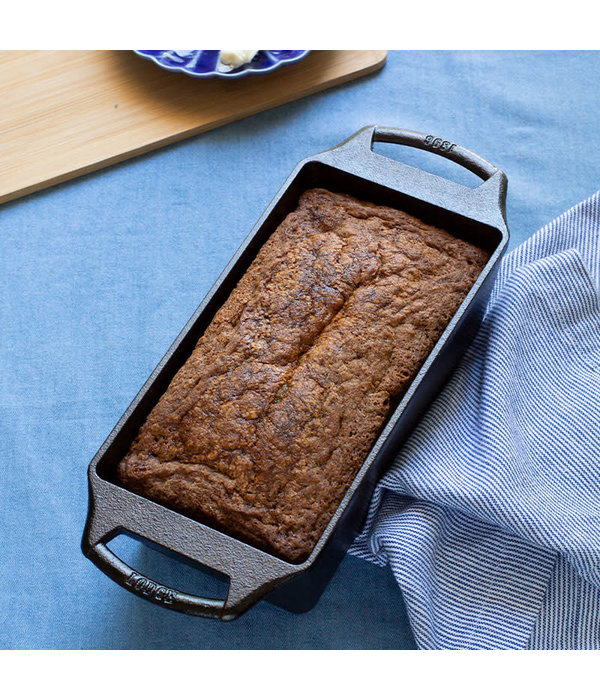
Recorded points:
475,214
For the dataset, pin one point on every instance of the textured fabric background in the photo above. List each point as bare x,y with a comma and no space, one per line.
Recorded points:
99,275
490,515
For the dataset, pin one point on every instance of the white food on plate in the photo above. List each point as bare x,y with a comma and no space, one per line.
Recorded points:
233,59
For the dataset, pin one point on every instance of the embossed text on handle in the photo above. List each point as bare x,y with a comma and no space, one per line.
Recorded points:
150,589
438,144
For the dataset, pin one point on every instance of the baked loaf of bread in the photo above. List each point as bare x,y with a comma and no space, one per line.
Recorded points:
263,429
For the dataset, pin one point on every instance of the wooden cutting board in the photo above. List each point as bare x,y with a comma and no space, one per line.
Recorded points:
67,113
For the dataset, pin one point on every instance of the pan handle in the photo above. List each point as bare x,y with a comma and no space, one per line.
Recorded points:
146,588
113,511
427,142
487,202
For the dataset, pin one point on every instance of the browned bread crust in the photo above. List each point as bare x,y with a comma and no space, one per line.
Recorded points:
262,430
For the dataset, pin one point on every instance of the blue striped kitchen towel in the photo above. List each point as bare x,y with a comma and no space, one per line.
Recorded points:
490,515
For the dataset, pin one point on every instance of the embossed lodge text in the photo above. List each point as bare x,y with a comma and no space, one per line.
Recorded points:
149,588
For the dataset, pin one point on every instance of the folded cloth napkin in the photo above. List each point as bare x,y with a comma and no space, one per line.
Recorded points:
490,514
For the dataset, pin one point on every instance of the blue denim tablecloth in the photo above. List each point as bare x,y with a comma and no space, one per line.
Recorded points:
98,276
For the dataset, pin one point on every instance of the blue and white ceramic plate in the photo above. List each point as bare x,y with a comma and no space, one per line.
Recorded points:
206,64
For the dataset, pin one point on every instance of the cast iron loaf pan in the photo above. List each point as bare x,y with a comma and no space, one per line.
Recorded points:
475,214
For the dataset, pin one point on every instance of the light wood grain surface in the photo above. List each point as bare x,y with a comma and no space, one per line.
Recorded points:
67,113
